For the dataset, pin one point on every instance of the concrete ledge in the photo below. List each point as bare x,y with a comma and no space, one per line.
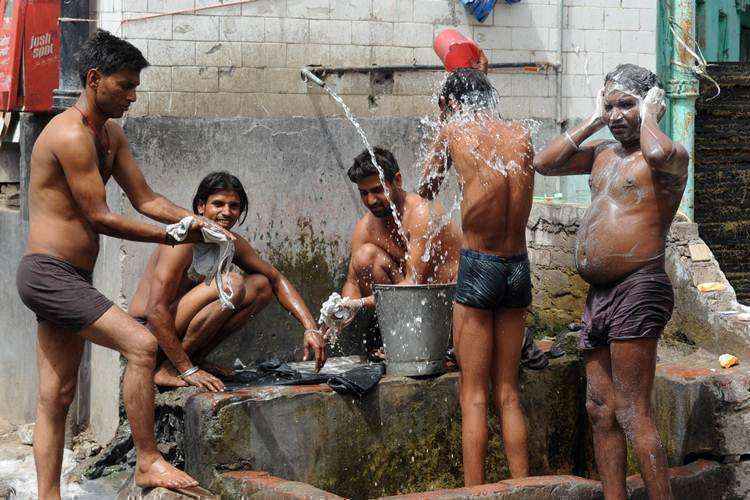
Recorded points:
132,492
263,486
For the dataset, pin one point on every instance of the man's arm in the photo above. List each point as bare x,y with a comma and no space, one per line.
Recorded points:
130,178
351,286
168,270
288,296
435,166
418,224
77,157
659,151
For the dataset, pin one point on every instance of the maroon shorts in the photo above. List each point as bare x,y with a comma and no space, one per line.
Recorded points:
635,307
60,293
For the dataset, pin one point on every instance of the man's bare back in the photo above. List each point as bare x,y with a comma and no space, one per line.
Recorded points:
632,207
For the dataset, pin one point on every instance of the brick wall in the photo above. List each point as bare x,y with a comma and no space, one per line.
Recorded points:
244,60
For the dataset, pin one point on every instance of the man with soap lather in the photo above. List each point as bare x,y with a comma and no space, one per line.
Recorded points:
637,181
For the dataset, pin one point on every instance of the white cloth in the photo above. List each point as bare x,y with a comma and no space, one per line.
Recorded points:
211,260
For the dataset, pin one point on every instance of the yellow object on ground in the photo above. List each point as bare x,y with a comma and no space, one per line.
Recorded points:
713,286
727,360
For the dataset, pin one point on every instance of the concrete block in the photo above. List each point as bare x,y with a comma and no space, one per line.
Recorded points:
514,16
543,107
140,106
230,10
584,63
265,8
577,86
515,107
234,79
433,11
424,55
154,28
417,83
574,40
355,10
621,58
648,19
590,18
271,105
413,35
308,9
494,38
171,103
171,53
157,78
372,33
404,10
284,81
273,54
195,79
530,38
141,45
350,55
135,6
287,30
317,54
253,55
547,16
386,10
333,32
643,42
218,53
296,55
511,56
465,29
204,28
602,40
503,83
533,85
647,61
351,83
10,156
578,107
242,29
219,104
622,19
169,5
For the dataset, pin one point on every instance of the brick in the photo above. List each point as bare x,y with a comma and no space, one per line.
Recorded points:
287,30
620,58
195,28
417,82
530,38
546,16
385,10
155,28
356,10
494,38
515,16
423,55
242,29
643,42
156,78
575,39
372,33
334,32
274,54
231,10
296,55
241,79
218,53
395,55
543,107
350,55
265,8
586,17
169,5
413,35
171,53
318,54
584,63
171,104
252,55
284,81
433,11
602,41
622,19
219,104
309,9
195,79
509,56
534,85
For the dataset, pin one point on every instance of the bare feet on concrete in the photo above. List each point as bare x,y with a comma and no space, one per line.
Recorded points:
159,473
166,376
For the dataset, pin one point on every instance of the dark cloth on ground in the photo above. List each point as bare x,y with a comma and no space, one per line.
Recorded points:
60,293
357,381
532,358
487,281
635,307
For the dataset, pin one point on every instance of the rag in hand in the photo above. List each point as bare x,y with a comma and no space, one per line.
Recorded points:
210,259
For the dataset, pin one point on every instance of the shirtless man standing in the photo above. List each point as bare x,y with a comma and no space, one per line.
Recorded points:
379,253
73,158
187,317
493,160
636,183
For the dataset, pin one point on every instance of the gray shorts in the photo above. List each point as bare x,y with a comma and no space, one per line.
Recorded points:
60,293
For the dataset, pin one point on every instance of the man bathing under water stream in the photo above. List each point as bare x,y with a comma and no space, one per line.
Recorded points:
636,183
72,160
493,159
187,316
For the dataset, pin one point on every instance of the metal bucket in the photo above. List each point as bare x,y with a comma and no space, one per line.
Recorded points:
415,324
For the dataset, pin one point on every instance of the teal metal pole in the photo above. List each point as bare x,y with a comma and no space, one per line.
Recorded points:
682,89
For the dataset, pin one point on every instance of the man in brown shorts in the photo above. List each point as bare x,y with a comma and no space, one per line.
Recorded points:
492,158
636,183
73,158
187,316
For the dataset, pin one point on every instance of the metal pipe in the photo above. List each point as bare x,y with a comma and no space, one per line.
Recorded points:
321,71
307,75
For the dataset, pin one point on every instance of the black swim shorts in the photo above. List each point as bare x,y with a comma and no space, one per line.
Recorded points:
60,293
487,281
635,307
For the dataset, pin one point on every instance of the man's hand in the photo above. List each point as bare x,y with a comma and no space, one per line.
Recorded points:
314,340
653,104
597,117
204,380
353,307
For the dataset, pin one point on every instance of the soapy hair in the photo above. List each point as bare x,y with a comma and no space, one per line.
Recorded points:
632,79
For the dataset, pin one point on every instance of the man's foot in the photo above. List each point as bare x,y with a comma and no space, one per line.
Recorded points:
166,376
376,355
217,370
161,474
532,358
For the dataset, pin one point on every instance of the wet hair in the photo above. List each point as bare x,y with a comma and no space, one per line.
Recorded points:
108,54
632,78
469,87
220,181
363,168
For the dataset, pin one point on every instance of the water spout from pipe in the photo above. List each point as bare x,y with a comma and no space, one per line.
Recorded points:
308,76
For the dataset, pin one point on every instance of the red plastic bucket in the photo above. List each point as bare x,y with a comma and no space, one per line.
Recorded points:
455,50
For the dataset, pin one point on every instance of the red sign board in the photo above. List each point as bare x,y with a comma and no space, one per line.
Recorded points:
11,29
41,54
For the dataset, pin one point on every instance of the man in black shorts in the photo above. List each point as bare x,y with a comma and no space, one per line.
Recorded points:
636,183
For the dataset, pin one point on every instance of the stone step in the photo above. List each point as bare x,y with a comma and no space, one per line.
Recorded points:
131,491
